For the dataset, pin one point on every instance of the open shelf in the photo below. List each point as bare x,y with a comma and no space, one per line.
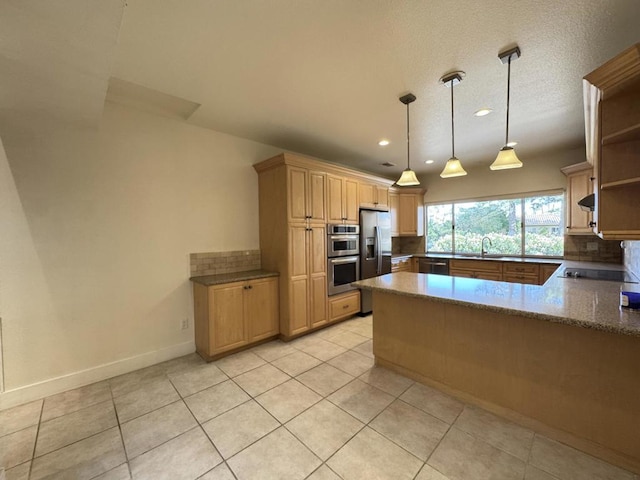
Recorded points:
620,183
624,135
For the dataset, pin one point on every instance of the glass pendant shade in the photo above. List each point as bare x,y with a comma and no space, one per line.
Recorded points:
408,178
453,168
506,158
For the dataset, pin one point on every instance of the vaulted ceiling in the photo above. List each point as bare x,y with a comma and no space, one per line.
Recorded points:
319,77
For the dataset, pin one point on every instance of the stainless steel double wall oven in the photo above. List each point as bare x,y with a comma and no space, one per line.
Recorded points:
343,257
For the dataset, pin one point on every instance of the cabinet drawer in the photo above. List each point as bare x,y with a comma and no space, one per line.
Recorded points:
401,264
521,268
477,265
341,306
520,278
496,276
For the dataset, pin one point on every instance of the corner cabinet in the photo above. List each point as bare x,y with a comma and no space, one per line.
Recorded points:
617,146
233,315
579,184
407,211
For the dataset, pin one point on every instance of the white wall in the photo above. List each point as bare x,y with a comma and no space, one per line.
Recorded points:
537,174
97,227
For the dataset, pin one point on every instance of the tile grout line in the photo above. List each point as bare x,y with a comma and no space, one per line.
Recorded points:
33,453
126,455
426,462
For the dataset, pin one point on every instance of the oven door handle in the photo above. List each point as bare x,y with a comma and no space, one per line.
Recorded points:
343,260
343,237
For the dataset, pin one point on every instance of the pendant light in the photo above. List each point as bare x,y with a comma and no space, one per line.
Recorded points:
507,157
408,177
453,168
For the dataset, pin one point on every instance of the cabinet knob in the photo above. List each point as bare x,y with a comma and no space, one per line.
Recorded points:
592,224
345,306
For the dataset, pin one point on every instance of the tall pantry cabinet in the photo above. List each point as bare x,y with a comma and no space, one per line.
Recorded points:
293,240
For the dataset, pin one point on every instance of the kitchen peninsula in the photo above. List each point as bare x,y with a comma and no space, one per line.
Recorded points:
560,358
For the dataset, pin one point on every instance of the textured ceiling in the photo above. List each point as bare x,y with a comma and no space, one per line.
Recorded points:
323,77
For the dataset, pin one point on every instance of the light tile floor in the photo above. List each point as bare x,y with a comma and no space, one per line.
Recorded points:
314,408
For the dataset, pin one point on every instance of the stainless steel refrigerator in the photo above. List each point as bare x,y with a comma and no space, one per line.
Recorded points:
375,250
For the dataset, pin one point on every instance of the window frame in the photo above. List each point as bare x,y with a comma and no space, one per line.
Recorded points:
519,196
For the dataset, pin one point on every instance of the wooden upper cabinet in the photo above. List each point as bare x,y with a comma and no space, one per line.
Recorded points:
410,214
306,195
579,185
372,195
617,216
394,210
342,199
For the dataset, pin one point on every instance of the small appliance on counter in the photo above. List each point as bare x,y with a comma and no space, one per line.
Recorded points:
375,250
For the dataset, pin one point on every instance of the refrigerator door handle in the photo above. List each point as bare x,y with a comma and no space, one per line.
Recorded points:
377,251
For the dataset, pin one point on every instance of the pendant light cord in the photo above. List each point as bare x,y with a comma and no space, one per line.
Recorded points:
508,90
453,131
408,157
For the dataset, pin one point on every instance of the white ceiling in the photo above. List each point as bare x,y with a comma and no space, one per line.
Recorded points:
322,77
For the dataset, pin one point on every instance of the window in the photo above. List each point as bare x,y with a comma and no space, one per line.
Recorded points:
531,226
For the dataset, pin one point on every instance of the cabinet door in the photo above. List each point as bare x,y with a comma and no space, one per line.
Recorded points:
408,215
394,207
334,199
298,281
315,197
317,275
297,185
226,316
367,195
382,196
351,207
579,185
261,308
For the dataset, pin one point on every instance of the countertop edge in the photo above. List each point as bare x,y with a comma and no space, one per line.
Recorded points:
220,279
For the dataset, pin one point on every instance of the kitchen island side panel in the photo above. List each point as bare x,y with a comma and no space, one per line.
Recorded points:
576,380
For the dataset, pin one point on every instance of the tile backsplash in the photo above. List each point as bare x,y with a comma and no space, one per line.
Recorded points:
589,248
407,244
214,263
632,256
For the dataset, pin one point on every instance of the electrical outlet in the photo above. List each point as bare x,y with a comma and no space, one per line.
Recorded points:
185,324
592,246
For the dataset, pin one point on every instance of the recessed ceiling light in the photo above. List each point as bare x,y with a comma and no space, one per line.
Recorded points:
388,164
383,142
512,144
482,112
428,162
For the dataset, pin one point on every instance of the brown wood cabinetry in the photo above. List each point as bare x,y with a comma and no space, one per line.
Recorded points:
547,270
483,269
617,141
579,184
394,210
407,212
344,305
342,200
517,272
402,264
298,197
373,195
232,315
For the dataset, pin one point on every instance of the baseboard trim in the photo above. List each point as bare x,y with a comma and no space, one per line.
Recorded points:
36,391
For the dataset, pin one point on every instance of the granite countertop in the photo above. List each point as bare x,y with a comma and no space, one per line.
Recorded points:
579,302
209,280
487,257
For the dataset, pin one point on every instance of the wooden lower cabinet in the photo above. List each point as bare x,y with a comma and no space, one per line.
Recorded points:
403,264
233,315
482,269
547,270
516,272
344,305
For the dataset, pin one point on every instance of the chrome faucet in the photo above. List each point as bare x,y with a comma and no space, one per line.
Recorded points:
484,252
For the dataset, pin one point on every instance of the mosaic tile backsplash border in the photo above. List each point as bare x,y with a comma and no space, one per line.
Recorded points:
214,263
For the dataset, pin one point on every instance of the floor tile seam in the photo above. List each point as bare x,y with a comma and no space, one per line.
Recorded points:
219,414
201,425
324,464
33,452
184,397
440,441
212,469
111,469
138,387
430,414
348,413
300,413
79,410
142,387
345,443
343,370
131,459
242,373
352,333
22,429
394,442
257,395
526,462
152,411
126,455
299,373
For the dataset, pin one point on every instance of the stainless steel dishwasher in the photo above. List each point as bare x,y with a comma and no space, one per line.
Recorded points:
439,266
